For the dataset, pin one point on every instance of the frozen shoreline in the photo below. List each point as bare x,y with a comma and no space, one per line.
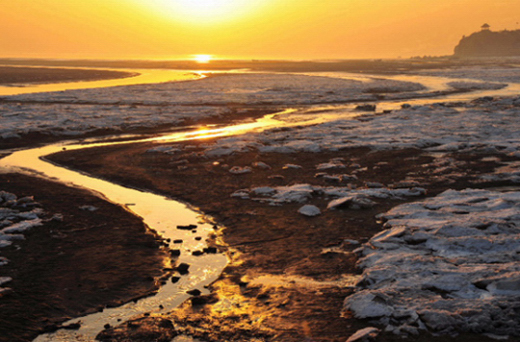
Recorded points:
448,265
484,125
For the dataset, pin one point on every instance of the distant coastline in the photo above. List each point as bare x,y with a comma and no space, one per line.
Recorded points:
487,43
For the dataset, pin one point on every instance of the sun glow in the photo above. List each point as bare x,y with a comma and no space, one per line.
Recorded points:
202,58
205,12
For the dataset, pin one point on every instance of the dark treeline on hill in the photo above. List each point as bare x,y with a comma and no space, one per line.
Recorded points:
487,43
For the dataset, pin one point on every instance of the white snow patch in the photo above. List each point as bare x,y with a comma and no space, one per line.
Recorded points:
449,264
364,335
345,196
15,219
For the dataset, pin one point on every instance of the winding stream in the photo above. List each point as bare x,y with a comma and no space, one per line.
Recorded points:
163,214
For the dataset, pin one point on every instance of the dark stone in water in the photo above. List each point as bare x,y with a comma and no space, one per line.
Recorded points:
175,252
177,241
175,279
188,227
210,250
366,107
197,253
198,238
107,326
194,292
183,268
200,300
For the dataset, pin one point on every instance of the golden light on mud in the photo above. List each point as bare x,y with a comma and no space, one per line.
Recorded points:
202,58
269,121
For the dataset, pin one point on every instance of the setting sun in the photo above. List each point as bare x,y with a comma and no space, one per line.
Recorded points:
202,58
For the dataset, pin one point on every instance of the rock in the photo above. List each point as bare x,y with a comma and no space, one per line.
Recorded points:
197,253
238,170
330,165
291,166
366,107
364,335
140,329
183,268
199,300
210,250
175,279
368,305
175,252
261,165
194,292
309,210
188,227
88,208
342,202
72,326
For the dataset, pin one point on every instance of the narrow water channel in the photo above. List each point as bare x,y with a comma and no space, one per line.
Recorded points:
160,213
164,215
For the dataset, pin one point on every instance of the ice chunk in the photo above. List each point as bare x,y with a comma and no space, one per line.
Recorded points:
309,210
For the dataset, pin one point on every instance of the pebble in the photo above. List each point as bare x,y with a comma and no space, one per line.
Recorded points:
194,292
183,268
188,227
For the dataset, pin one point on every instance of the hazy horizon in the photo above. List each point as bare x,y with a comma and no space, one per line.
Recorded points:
244,30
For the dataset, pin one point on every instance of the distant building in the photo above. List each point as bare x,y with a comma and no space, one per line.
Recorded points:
485,27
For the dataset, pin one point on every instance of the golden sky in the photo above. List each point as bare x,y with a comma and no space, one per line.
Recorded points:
289,29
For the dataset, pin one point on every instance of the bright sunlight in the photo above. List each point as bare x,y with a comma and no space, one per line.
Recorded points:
203,12
202,58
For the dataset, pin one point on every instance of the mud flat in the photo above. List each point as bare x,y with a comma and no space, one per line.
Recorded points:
289,272
23,75
87,254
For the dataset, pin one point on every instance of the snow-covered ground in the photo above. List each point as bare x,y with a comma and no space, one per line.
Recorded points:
17,215
492,74
72,119
75,112
484,126
278,89
448,264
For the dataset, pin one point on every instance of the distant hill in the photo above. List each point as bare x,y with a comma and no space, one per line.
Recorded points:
487,43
